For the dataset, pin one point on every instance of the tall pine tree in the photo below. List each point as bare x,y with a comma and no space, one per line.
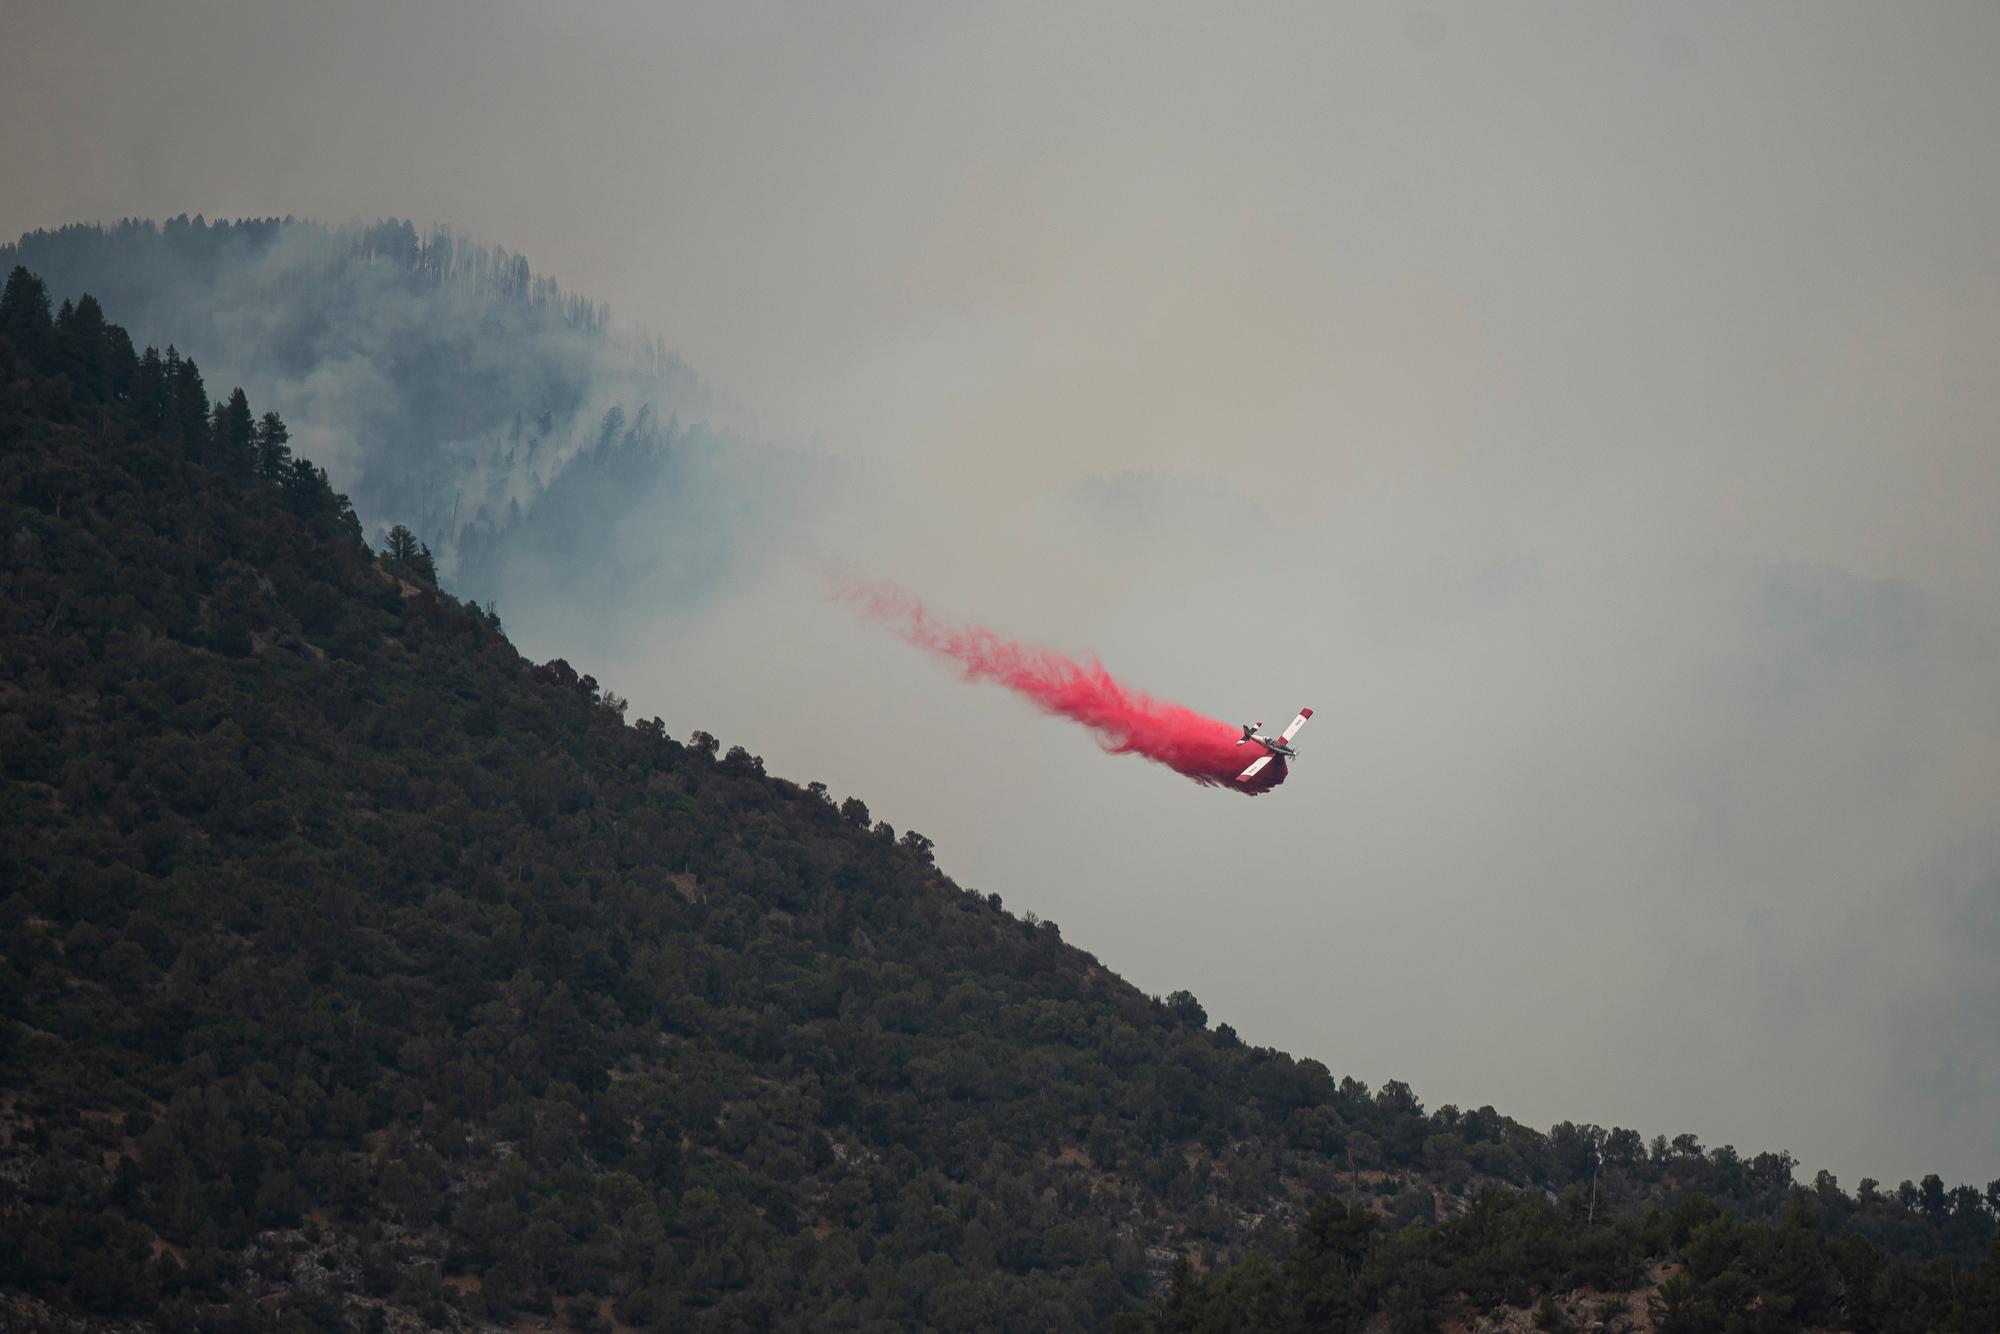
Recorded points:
239,426
274,450
190,402
81,352
235,438
24,317
149,390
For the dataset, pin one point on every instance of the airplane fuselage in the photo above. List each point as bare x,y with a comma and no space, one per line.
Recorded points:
1276,747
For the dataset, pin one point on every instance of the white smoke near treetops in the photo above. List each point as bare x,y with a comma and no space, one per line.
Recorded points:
446,387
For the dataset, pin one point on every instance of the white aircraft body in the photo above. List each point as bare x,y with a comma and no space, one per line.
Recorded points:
1272,748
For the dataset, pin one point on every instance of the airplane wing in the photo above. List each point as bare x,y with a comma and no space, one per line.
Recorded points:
1255,766
1297,723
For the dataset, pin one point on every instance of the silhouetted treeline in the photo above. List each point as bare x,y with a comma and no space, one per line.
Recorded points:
123,254
84,360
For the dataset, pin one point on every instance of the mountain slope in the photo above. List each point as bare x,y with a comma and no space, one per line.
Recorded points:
329,911
357,970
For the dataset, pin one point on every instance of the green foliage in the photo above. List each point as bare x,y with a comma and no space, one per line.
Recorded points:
1512,1249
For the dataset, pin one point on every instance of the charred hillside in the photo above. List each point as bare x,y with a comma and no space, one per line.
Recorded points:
357,972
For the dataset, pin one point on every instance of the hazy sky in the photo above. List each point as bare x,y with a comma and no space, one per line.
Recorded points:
1589,409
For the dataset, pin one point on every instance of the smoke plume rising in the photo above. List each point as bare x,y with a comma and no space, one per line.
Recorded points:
1123,721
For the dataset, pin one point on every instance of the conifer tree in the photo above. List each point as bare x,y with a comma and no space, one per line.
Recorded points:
149,390
274,452
400,545
235,436
239,427
215,442
81,353
121,359
304,487
24,316
190,402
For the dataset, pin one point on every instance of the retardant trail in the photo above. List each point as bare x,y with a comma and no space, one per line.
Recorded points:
1123,720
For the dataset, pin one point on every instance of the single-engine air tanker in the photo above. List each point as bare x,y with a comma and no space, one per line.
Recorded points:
1273,749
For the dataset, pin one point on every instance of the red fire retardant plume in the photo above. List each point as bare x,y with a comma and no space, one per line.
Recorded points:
1123,720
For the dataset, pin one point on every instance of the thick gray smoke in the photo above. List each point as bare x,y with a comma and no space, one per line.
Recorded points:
541,452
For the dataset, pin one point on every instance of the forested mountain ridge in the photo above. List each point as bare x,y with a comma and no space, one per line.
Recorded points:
359,972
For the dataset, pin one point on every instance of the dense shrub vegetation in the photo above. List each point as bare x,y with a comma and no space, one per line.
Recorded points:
354,970
1688,1269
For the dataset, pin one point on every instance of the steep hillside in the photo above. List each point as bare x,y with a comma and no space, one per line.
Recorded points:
355,971
337,925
